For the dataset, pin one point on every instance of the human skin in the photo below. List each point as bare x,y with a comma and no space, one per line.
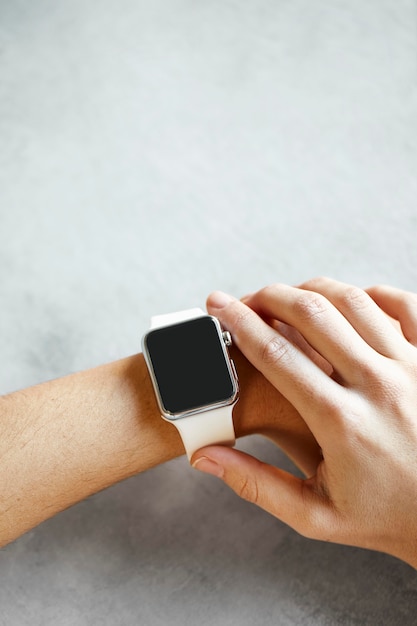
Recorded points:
352,375
68,438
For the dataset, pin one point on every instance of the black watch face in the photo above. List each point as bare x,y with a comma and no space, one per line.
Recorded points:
190,365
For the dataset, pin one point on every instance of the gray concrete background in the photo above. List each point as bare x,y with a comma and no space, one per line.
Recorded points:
149,153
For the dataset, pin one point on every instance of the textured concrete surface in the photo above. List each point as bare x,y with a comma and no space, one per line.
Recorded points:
149,153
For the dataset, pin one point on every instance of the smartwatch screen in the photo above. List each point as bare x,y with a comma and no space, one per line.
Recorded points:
190,365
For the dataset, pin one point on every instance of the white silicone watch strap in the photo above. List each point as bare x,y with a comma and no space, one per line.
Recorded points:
204,429
208,427
157,321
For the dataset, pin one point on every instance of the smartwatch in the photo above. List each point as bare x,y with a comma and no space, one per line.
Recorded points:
193,376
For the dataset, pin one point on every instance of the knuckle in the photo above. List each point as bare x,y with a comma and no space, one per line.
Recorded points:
310,305
377,290
322,520
248,490
333,407
355,298
270,291
274,350
388,386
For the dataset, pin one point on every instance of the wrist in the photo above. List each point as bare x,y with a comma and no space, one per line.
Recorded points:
263,410
142,439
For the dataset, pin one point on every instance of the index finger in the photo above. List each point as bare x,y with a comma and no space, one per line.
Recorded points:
310,390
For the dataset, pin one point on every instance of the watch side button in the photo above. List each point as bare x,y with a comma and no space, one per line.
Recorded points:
227,338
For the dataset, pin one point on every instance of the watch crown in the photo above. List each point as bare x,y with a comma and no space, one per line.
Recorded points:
227,338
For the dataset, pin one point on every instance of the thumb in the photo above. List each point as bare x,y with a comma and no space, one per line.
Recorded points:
285,496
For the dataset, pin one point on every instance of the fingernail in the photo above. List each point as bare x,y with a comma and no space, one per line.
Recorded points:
219,299
208,466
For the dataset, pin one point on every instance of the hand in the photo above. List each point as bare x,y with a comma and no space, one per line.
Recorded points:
358,398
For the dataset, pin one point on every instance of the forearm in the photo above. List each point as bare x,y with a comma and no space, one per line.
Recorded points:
71,437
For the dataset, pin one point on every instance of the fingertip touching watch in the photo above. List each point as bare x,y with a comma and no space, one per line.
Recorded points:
193,376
